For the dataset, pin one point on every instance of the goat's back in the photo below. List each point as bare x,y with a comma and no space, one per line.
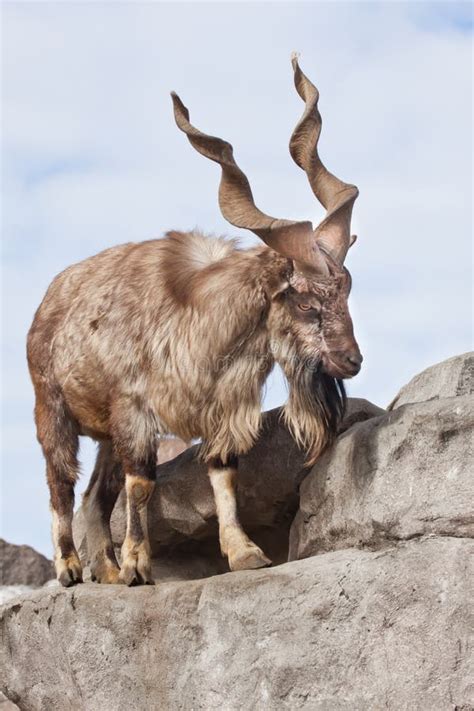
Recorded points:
138,320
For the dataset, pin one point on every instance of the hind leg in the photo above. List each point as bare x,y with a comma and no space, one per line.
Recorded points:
135,567
134,436
98,502
58,435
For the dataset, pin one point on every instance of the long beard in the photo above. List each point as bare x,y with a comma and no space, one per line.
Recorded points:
314,410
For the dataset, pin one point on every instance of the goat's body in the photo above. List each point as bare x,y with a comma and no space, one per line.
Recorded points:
177,336
165,336
155,322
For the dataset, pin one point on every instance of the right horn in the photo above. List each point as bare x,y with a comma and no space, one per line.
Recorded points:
333,233
294,240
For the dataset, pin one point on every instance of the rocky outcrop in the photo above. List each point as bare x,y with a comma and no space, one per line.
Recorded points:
375,610
450,378
182,514
22,565
402,475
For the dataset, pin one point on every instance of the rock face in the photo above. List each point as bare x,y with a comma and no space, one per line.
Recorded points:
404,474
375,610
22,565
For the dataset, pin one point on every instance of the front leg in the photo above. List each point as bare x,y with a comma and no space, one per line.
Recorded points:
241,552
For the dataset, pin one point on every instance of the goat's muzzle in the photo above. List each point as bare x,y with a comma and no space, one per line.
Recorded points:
343,363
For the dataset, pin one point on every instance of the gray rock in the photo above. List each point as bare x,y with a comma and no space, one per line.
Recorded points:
404,474
449,378
182,515
22,565
6,704
359,410
349,630
9,592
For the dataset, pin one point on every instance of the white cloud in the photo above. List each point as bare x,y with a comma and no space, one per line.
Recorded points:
92,158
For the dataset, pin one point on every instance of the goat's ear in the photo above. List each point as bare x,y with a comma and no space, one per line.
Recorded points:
278,288
276,272
280,282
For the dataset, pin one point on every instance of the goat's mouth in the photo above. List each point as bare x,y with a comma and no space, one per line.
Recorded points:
338,369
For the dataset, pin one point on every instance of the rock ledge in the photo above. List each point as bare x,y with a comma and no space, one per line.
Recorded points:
345,630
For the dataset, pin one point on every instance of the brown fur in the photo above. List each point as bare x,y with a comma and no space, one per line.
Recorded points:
178,336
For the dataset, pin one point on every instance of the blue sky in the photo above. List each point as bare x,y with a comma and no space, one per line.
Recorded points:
92,158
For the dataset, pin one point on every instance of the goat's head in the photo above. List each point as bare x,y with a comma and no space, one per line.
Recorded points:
309,319
310,324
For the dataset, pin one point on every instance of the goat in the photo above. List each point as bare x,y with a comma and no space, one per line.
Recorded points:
178,335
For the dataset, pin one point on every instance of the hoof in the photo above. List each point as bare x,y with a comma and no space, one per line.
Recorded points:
69,570
135,566
104,571
248,558
133,574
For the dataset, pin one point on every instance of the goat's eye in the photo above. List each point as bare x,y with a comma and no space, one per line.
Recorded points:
305,307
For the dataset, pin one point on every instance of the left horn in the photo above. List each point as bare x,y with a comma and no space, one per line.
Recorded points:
333,233
294,240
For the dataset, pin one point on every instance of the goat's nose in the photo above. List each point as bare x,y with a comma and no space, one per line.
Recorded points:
355,358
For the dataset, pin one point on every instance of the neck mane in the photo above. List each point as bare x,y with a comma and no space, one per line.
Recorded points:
314,410
209,278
